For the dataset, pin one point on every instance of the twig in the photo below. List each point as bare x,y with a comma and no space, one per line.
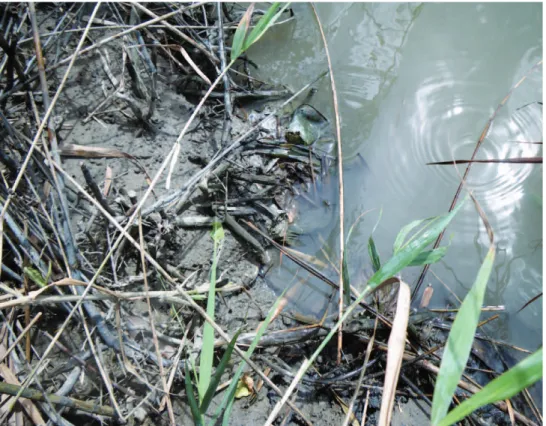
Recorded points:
178,32
152,325
95,189
341,196
226,131
36,395
185,296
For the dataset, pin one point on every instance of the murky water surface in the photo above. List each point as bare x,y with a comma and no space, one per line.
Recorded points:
418,83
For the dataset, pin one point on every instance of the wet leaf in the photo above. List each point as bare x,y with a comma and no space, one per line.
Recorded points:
428,257
410,250
513,381
404,233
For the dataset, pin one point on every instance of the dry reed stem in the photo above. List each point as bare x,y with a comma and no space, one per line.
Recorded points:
341,196
98,359
186,297
397,344
22,171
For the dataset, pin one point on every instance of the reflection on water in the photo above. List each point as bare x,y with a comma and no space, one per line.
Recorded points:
416,84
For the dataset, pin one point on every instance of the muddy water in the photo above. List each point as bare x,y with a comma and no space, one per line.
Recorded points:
417,83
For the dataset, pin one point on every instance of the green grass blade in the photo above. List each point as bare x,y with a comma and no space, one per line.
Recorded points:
460,340
428,257
218,374
194,407
403,234
207,352
240,33
522,375
229,396
374,255
388,270
409,251
263,24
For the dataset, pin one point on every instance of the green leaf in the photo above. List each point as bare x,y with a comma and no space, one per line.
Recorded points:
229,396
264,24
519,377
217,233
197,418
409,251
218,374
428,257
207,352
374,255
403,234
459,342
240,33
35,276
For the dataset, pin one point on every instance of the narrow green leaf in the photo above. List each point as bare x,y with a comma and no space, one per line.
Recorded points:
374,255
230,393
218,374
403,234
460,340
264,24
197,418
35,276
409,251
428,257
519,377
207,352
240,33
217,233
392,267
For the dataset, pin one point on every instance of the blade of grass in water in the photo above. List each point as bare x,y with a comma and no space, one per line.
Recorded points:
428,257
374,255
403,234
460,340
240,33
393,266
207,352
241,42
507,385
264,24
